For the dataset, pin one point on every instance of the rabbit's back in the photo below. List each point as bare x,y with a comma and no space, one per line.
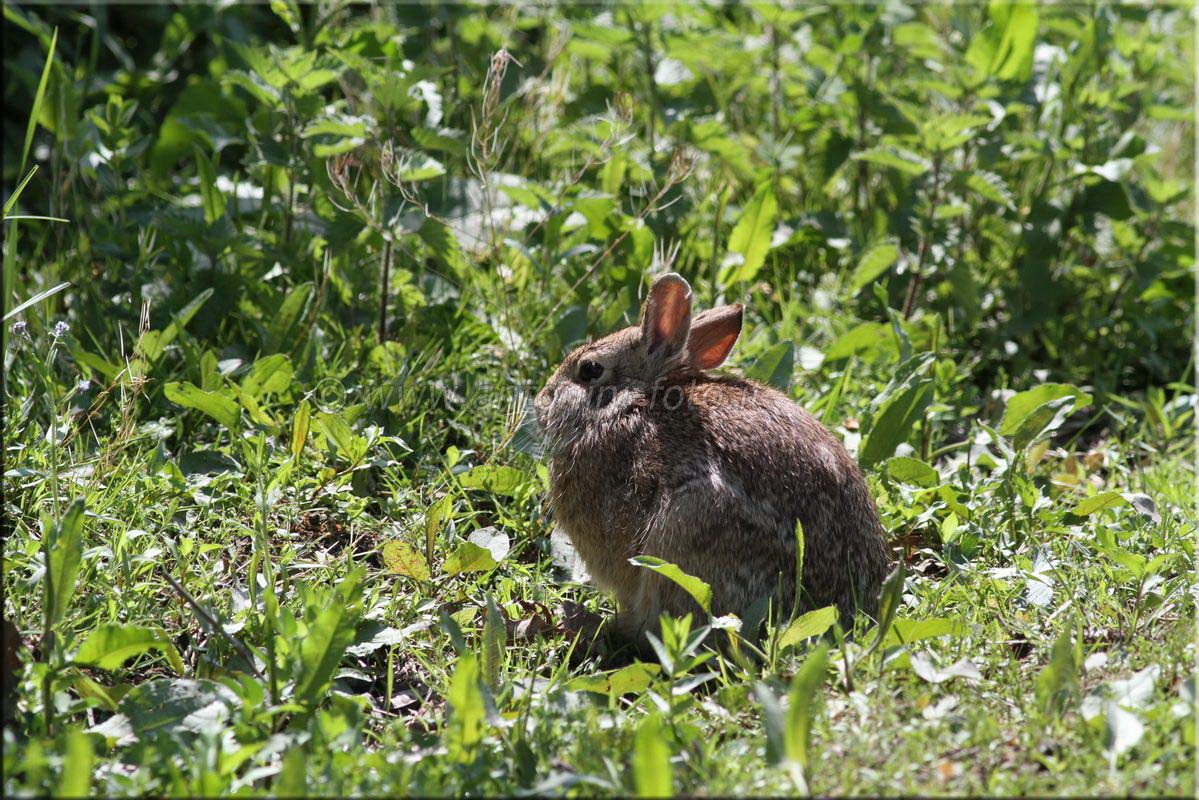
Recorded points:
740,465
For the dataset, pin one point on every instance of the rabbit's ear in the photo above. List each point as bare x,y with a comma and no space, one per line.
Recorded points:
713,335
667,314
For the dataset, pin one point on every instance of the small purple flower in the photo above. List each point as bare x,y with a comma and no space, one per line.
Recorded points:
84,385
61,329
18,328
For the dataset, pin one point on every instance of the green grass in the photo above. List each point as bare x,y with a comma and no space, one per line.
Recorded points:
297,541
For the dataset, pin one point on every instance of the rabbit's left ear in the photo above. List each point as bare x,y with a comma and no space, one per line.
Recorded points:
667,314
713,335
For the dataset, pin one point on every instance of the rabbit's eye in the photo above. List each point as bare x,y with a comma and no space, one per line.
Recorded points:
590,371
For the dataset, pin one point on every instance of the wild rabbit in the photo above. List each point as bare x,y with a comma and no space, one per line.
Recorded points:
650,454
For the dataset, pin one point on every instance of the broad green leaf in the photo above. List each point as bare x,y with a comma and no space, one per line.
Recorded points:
1057,685
774,367
299,429
879,258
894,422
863,336
435,518
341,125
651,760
889,597
341,436
801,710
401,558
807,626
66,554
76,780
270,375
1098,503
218,405
635,678
773,722
212,201
905,631
699,590
632,679
171,707
751,235
283,322
467,711
913,471
468,557
494,479
293,773
110,645
330,619
1042,420
495,639
1021,404
419,167
151,344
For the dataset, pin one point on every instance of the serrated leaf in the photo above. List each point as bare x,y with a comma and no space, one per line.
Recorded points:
990,186
902,160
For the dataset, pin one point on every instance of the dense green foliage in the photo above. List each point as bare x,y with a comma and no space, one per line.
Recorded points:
273,509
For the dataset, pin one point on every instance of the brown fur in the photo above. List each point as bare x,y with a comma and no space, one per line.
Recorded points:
708,472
